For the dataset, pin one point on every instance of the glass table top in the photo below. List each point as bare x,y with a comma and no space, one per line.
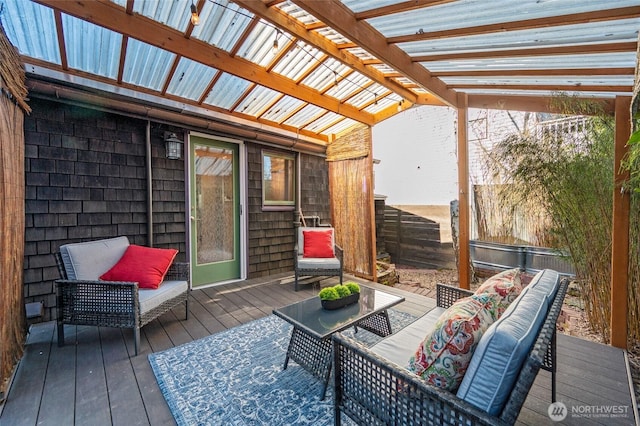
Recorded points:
309,315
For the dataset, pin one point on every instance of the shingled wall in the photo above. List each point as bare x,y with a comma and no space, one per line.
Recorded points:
85,179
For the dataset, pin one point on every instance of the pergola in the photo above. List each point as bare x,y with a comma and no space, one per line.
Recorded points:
312,70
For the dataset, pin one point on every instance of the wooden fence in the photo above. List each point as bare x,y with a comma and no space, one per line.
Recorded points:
415,241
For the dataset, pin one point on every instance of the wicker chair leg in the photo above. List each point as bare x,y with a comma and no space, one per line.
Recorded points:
60,334
295,287
340,276
136,338
186,308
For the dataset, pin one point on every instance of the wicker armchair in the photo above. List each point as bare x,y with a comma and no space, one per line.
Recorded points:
311,266
116,303
374,391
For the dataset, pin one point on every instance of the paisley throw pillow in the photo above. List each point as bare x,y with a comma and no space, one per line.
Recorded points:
505,286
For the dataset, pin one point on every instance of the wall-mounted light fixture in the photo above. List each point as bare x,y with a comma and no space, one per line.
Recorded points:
173,146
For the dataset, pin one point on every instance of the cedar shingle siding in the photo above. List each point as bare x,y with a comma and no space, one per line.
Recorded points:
85,179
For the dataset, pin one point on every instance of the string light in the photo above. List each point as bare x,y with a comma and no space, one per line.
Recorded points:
400,105
275,42
195,18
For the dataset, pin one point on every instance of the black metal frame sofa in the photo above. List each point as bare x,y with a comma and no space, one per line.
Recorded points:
373,386
84,299
305,265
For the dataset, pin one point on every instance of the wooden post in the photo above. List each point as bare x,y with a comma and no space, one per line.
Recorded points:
463,193
620,231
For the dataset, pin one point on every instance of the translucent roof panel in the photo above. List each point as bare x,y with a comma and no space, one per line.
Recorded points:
90,48
439,17
298,60
593,32
353,83
323,122
257,101
174,13
32,29
340,126
259,45
225,23
594,60
227,90
304,116
282,109
297,12
555,80
146,65
190,79
326,74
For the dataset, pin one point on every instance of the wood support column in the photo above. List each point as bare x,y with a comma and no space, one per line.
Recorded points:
463,194
620,231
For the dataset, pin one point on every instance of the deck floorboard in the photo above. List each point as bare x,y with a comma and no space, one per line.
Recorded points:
96,379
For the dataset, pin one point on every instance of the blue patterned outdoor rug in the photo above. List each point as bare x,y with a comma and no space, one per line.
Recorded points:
235,377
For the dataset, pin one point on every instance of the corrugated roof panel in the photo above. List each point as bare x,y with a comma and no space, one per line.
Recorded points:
593,32
615,80
333,35
222,24
258,47
282,109
257,101
304,116
373,93
31,28
122,3
91,48
298,13
326,74
474,13
362,5
298,60
339,127
174,13
382,104
227,90
190,79
596,60
362,54
348,86
504,92
322,122
146,65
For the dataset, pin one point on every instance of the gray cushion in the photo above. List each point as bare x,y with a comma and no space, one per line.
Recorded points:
89,260
149,299
399,347
497,360
318,263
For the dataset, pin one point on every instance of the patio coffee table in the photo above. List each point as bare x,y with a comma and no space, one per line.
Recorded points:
310,345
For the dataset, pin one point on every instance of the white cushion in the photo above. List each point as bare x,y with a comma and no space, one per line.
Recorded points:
318,263
89,260
399,347
149,299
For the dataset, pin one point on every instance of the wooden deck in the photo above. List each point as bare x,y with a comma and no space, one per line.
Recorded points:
97,381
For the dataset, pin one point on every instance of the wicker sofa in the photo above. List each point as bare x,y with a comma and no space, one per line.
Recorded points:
84,299
374,387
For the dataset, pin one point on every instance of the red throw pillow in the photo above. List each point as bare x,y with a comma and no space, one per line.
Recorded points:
145,265
318,243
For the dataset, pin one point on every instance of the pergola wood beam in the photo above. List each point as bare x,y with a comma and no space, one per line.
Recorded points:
620,228
578,49
295,28
340,18
525,24
545,87
115,18
405,6
464,255
529,103
551,72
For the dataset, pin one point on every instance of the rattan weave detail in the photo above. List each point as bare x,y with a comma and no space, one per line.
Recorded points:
111,303
373,391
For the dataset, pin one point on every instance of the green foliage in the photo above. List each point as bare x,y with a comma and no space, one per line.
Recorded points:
631,162
571,178
353,287
343,290
328,293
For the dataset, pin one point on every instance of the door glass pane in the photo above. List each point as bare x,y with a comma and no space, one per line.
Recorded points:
214,204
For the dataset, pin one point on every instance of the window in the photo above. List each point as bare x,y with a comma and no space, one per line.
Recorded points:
278,180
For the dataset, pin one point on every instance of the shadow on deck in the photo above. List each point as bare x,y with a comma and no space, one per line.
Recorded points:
95,379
